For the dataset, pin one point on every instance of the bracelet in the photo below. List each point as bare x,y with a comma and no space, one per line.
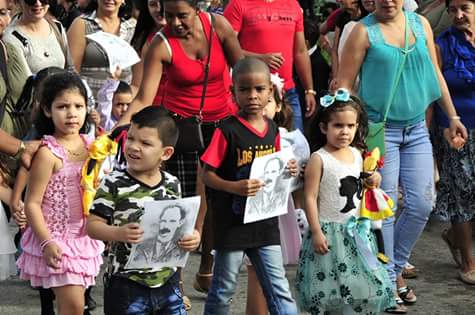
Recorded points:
20,151
455,117
44,243
310,91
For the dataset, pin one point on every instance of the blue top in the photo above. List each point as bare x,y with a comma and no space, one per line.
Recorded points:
418,85
458,68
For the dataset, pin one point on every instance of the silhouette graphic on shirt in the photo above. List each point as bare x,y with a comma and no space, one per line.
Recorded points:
349,186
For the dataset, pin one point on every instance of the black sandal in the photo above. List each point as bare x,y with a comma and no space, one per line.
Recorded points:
404,293
399,308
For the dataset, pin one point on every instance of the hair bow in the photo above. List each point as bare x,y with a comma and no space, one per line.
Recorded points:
342,95
278,82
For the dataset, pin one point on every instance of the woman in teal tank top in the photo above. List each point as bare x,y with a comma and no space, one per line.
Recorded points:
373,51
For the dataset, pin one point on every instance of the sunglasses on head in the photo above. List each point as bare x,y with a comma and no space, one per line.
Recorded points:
33,2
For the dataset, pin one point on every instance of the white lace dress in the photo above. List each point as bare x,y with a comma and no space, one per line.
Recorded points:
340,281
7,248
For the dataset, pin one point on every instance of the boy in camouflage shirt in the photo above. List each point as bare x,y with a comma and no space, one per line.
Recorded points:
116,213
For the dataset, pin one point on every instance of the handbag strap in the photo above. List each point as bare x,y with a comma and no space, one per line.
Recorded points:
205,82
405,52
4,72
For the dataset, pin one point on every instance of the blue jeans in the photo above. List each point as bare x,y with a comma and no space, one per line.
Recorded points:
123,296
408,163
292,98
267,261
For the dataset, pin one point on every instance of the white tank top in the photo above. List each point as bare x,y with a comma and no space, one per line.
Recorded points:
340,189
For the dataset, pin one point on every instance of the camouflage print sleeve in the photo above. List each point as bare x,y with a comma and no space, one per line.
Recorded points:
104,201
178,188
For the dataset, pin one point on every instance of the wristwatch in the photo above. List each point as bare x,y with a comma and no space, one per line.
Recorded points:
20,151
310,91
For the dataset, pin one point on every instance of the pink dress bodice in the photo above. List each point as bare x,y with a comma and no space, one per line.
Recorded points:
62,205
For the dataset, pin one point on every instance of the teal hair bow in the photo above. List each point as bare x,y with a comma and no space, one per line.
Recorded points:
342,95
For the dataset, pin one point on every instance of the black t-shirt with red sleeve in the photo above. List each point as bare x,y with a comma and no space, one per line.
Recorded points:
234,146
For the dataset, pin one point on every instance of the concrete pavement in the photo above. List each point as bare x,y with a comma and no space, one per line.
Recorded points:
438,290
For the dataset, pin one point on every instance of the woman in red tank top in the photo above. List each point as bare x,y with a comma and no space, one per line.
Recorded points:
181,49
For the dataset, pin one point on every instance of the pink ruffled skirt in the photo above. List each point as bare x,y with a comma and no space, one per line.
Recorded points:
80,263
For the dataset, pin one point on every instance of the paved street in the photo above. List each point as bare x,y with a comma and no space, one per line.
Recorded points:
437,287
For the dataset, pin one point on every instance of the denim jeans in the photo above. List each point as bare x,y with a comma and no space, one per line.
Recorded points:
292,98
123,296
408,163
267,261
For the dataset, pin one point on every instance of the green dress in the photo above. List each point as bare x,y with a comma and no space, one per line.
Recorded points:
348,279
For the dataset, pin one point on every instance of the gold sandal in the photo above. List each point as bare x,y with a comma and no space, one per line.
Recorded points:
187,303
186,300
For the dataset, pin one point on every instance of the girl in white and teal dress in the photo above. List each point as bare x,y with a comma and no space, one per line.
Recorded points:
338,272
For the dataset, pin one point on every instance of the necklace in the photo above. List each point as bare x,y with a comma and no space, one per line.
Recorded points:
75,153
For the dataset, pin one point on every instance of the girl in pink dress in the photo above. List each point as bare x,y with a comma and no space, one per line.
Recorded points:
57,253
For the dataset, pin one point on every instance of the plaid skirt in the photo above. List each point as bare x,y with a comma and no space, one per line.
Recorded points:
185,165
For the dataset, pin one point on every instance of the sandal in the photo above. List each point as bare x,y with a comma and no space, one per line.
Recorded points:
453,250
399,308
187,303
467,277
186,300
409,272
202,282
407,295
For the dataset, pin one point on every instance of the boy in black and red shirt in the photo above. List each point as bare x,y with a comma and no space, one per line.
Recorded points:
228,161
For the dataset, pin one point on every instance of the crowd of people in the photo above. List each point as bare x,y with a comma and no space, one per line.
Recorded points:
236,77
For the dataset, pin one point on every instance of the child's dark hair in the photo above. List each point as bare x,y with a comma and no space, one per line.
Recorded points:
123,88
53,87
250,65
158,118
318,139
32,89
284,118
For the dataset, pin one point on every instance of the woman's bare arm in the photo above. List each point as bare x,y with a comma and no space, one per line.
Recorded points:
156,55
77,42
353,54
229,41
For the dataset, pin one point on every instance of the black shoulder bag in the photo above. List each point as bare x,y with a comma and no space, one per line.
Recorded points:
190,138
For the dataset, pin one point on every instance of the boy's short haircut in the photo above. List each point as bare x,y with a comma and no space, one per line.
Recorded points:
123,88
250,65
158,118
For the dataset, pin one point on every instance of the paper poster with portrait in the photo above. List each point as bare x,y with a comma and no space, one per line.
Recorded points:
271,200
164,223
301,149
119,52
